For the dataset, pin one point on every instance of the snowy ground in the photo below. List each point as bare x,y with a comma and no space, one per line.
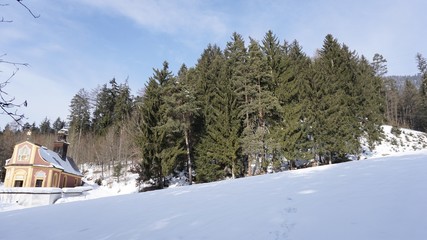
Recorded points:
382,197
406,141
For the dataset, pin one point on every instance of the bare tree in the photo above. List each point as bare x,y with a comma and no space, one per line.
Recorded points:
8,105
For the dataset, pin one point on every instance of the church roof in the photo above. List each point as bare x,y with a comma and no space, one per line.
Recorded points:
67,165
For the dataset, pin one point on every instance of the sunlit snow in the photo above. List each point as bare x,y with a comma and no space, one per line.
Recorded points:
382,197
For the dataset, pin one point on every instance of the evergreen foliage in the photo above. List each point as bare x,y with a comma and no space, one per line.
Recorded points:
155,139
243,110
80,109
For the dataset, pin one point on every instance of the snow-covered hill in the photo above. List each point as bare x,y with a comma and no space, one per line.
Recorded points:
378,198
382,197
400,140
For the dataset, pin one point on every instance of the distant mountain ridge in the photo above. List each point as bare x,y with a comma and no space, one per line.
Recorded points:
400,80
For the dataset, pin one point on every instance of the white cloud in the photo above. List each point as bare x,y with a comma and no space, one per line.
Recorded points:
166,16
45,96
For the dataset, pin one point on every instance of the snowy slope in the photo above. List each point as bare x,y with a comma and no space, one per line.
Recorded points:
378,198
406,140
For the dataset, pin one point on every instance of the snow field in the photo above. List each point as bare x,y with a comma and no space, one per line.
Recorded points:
379,198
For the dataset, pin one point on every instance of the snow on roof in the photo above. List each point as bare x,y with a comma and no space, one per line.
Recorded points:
67,164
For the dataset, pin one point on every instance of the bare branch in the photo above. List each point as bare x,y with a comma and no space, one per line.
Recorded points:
29,10
15,116
8,103
2,20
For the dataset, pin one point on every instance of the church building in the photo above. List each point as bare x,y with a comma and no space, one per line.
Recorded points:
33,165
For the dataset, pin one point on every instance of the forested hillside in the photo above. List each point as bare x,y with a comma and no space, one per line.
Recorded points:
240,111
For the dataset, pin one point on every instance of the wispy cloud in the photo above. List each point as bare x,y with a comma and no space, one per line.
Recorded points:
167,16
84,43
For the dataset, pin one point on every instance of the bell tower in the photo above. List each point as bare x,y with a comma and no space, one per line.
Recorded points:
60,146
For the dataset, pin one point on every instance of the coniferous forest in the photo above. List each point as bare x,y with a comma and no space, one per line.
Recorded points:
248,109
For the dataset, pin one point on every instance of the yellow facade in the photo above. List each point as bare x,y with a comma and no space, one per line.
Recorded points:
27,168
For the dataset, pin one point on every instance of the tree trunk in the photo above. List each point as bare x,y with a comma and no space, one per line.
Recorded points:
190,170
233,168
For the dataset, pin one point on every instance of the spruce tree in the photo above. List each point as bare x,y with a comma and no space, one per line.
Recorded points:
79,118
236,70
123,104
103,114
296,97
274,54
370,101
421,122
45,127
79,123
335,132
58,124
218,150
181,109
153,136
263,108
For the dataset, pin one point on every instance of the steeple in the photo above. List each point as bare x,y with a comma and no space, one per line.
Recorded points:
60,146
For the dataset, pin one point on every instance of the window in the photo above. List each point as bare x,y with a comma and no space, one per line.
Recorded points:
39,183
18,183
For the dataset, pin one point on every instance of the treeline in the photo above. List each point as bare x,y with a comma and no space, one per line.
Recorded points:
406,100
248,109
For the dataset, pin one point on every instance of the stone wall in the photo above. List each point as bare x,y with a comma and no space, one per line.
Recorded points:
38,196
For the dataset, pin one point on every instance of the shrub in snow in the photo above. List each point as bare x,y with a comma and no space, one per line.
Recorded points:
396,131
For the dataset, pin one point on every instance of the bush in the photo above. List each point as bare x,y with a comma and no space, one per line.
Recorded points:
396,131
98,181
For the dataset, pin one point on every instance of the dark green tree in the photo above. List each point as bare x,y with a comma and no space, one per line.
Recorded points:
296,95
263,108
217,153
181,108
275,60
79,118
103,114
45,127
379,64
336,130
58,124
123,104
152,138
409,104
421,119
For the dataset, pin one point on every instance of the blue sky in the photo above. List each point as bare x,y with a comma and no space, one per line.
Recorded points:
85,43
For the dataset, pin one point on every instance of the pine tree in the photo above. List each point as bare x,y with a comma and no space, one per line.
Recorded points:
221,142
274,54
374,105
263,108
79,123
79,118
158,155
409,104
421,121
45,127
58,124
181,109
103,114
123,104
296,98
218,149
379,64
236,70
335,127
